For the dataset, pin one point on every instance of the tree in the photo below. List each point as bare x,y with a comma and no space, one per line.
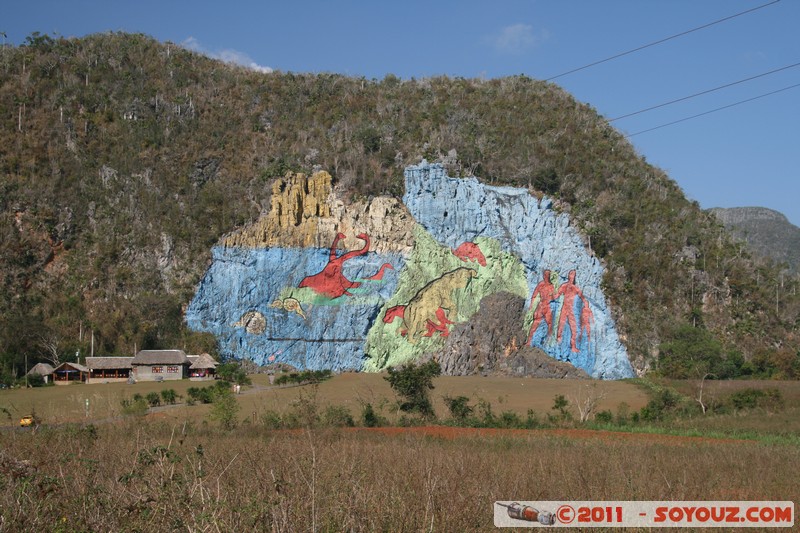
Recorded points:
48,344
225,407
234,373
412,383
586,399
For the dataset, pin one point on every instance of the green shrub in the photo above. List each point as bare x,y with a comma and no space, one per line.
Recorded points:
200,394
271,420
664,404
153,399
225,408
136,406
370,418
459,407
169,396
604,417
337,416
307,376
750,398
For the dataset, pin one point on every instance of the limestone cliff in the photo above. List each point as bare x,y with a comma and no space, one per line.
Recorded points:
304,212
319,284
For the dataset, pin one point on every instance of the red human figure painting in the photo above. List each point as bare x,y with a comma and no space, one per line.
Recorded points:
546,292
587,317
331,282
469,251
570,291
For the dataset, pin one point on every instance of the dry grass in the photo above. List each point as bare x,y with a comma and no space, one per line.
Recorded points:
173,477
181,473
67,403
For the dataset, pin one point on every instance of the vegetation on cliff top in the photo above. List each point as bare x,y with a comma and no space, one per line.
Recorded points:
123,160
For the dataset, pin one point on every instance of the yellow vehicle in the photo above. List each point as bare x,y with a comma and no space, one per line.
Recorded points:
27,421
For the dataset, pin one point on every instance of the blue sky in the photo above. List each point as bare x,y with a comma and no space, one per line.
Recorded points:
741,156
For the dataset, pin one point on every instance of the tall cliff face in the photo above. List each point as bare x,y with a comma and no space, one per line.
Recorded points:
568,316
374,284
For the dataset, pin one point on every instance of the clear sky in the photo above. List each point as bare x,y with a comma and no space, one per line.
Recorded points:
745,155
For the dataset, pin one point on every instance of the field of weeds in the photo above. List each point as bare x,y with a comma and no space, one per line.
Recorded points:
152,476
60,404
290,459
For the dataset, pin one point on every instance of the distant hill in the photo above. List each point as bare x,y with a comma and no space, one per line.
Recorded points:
124,161
767,232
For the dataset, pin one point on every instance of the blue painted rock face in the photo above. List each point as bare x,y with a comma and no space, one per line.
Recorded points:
299,326
573,322
318,308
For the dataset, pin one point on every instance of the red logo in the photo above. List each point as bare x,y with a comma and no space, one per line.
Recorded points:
565,514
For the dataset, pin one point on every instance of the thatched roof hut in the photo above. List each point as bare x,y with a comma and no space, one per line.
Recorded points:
40,369
160,357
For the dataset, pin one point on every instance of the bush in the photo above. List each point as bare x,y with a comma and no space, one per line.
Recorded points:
200,394
153,399
665,403
770,399
307,376
271,420
459,407
225,408
337,416
232,372
370,418
136,406
604,417
561,405
169,396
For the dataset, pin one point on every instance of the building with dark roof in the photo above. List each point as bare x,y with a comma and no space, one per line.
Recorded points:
109,369
160,365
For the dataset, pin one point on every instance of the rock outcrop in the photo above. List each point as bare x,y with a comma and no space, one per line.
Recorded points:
767,233
304,212
492,343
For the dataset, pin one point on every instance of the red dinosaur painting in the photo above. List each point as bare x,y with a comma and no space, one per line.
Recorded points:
381,272
331,282
469,251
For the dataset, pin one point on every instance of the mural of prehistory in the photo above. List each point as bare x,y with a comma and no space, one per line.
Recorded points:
317,283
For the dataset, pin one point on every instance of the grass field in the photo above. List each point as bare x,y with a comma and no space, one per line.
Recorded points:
175,470
164,476
59,404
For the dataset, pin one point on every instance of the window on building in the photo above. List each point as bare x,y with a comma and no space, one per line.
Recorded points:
158,369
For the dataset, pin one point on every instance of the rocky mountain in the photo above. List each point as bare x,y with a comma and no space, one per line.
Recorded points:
767,233
149,198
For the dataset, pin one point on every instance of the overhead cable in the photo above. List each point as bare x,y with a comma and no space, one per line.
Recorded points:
663,40
714,110
704,92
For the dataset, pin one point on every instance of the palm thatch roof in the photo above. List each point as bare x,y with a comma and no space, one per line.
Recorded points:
108,363
160,357
42,369
201,362
70,367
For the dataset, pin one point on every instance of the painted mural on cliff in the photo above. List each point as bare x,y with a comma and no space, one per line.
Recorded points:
317,284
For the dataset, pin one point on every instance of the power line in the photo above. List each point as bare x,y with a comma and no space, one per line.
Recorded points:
662,40
704,92
714,110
